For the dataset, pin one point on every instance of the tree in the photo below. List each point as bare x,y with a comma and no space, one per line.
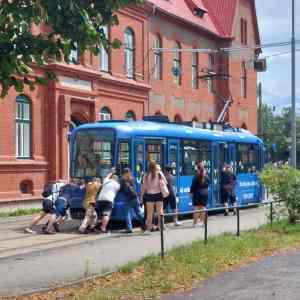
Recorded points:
276,131
71,25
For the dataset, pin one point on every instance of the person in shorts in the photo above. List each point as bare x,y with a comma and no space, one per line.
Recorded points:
199,193
151,190
47,213
89,203
170,201
106,198
62,203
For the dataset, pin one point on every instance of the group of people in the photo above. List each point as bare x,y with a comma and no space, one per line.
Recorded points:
157,195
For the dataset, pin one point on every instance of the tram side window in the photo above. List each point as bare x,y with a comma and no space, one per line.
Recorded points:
190,157
247,158
205,155
155,152
124,156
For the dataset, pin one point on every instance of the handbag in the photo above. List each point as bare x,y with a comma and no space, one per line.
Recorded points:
163,188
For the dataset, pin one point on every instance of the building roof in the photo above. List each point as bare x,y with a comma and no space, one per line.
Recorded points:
219,18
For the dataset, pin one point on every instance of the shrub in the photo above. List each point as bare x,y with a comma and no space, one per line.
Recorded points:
283,183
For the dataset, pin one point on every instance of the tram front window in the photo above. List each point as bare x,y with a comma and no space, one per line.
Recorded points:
93,153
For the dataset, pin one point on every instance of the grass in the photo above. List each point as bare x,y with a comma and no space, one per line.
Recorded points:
20,212
184,266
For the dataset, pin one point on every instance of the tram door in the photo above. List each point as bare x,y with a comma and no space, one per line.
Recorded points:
139,162
220,155
174,162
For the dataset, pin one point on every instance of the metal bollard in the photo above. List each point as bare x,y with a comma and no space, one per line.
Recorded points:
162,241
271,214
205,227
238,221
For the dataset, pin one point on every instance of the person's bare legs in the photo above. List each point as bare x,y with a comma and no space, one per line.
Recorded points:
159,210
37,219
196,214
202,214
150,211
104,223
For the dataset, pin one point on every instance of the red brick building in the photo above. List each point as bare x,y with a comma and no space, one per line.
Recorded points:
132,82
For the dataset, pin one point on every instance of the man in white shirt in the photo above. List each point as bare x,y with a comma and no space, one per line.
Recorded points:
106,198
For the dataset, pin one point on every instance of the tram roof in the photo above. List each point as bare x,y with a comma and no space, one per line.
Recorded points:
127,129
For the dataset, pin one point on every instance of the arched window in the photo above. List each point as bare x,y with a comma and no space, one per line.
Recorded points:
177,63
243,80
195,119
195,70
210,67
23,127
158,113
129,53
178,118
104,57
157,58
130,116
74,54
105,114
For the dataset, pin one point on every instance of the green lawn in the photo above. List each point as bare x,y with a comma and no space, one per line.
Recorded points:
183,266
20,212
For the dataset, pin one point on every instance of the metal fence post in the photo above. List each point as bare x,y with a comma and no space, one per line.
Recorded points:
238,221
271,213
205,227
162,241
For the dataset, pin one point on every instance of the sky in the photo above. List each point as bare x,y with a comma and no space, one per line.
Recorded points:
275,21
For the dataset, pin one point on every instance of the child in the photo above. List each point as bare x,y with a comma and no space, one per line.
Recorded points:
47,213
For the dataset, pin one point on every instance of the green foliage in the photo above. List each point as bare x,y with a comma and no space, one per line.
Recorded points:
68,22
283,183
276,130
185,266
20,212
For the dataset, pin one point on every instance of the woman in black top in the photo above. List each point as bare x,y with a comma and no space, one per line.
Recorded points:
199,193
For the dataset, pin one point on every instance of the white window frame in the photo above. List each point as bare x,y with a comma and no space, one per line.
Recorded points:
129,53
195,58
104,55
105,114
157,58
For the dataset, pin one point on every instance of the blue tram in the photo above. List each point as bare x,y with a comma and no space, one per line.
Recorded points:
95,148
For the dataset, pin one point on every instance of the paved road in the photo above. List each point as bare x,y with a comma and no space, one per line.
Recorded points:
31,263
274,278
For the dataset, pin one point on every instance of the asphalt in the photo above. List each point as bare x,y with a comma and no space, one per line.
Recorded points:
274,278
30,263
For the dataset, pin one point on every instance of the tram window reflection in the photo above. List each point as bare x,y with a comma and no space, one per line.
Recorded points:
124,156
93,155
247,158
155,152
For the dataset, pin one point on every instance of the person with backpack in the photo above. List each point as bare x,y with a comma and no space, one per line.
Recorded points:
199,193
47,213
62,203
170,201
106,198
132,204
89,203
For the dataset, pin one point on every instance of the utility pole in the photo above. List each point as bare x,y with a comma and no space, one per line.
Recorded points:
293,113
260,112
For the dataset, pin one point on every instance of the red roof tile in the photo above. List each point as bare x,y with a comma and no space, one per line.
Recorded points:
181,9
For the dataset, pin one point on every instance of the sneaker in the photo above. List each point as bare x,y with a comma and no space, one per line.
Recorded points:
49,232
177,223
56,227
147,232
28,230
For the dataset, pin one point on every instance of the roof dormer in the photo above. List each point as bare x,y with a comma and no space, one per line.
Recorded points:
196,8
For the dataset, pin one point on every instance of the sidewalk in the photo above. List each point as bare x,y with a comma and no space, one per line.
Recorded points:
274,278
31,263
